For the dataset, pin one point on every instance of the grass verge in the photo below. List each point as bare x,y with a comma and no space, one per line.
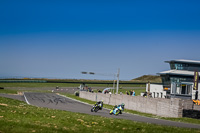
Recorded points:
8,91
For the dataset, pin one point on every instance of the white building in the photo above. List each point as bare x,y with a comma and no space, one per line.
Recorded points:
156,90
177,82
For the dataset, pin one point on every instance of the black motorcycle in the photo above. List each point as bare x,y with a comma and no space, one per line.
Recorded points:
95,108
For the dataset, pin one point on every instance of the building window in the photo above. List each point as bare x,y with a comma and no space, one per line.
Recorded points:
189,89
172,66
181,89
179,66
166,81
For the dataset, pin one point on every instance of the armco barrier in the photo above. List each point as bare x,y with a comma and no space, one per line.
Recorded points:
158,106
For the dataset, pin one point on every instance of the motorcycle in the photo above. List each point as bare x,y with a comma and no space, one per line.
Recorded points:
116,110
95,108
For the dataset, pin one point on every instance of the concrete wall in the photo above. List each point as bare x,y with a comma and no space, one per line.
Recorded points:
157,106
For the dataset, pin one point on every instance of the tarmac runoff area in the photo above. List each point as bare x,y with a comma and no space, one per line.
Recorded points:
54,101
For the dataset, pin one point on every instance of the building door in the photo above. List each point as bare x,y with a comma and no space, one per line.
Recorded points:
186,89
183,89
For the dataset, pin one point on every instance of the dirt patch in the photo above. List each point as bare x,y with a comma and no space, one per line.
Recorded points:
19,93
2,104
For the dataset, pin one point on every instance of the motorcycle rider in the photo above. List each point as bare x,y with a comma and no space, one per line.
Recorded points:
120,107
100,104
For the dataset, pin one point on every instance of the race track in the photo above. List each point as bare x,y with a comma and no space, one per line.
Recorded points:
54,101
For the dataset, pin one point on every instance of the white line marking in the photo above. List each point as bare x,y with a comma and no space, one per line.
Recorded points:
26,100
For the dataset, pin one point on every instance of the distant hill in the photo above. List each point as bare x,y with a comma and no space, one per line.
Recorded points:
146,78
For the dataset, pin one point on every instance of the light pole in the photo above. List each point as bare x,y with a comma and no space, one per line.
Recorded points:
92,73
118,81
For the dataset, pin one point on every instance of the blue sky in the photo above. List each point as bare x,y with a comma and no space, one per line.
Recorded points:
59,39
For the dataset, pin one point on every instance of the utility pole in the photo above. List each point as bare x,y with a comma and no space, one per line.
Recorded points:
117,81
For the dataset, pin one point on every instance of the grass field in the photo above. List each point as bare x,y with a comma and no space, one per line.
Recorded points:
140,88
35,85
18,117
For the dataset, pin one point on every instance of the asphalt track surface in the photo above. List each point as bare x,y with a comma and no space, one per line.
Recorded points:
54,101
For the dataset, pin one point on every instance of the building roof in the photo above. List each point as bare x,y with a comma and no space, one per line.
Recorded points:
178,72
184,61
